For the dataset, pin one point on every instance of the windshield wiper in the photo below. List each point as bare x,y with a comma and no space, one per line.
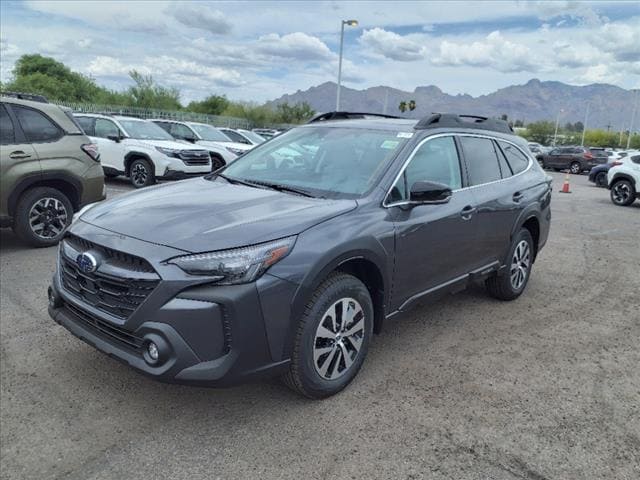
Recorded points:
284,188
236,180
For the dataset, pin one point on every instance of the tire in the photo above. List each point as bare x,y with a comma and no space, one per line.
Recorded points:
110,174
318,352
141,173
42,216
575,168
623,193
217,162
601,179
519,263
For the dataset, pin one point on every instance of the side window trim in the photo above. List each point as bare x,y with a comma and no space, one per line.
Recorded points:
19,137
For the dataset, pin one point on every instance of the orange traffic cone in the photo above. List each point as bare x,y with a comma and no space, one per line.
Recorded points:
565,185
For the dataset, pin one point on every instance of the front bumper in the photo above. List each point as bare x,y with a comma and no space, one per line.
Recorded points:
207,335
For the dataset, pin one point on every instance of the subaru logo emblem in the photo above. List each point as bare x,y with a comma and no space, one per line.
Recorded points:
86,262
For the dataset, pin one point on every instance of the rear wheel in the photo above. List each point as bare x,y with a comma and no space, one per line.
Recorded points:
141,173
217,162
623,193
575,168
512,283
42,216
332,338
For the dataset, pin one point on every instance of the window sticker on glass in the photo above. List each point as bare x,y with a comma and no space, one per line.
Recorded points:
404,134
389,144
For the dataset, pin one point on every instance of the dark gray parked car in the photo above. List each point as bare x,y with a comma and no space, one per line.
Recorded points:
575,159
289,259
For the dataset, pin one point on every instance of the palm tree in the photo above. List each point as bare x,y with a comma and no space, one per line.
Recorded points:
403,106
412,105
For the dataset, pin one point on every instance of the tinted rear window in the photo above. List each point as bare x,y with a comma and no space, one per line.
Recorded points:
86,123
482,160
36,127
7,134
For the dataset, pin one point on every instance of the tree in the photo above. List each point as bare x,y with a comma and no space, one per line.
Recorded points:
504,117
412,105
212,105
403,106
540,132
146,93
519,124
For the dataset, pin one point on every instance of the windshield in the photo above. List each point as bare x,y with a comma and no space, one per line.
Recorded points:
207,132
143,130
253,136
327,161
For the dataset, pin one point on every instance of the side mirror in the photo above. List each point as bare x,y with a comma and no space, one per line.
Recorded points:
430,192
190,139
114,138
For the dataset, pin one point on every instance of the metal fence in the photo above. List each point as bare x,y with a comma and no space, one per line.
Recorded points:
216,120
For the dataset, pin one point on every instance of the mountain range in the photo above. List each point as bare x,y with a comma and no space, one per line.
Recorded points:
609,106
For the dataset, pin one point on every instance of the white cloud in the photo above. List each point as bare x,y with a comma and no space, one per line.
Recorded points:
296,45
495,51
391,45
200,16
621,40
600,73
8,49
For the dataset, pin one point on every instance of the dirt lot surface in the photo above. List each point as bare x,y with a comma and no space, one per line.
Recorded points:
546,387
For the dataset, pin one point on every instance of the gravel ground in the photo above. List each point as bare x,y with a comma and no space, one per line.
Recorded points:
546,387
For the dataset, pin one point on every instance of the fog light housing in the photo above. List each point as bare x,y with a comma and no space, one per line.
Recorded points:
152,350
54,300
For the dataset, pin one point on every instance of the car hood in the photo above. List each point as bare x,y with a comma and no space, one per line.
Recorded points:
175,144
237,146
200,215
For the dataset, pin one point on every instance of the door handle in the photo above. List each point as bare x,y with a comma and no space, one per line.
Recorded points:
19,154
517,197
467,212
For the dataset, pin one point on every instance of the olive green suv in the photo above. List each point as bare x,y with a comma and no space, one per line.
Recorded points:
48,168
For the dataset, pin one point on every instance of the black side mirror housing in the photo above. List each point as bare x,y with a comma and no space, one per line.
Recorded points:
114,138
430,193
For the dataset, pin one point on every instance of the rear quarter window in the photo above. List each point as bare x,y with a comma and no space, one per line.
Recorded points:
7,132
517,160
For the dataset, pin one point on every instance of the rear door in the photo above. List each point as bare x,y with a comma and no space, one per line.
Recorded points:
498,195
18,158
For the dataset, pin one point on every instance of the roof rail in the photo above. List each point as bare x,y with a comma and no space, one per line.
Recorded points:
452,120
323,117
32,97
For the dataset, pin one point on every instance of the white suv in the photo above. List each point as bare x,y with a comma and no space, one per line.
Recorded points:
222,149
624,179
141,150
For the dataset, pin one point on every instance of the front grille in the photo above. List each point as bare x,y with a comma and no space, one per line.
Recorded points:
122,336
119,285
195,157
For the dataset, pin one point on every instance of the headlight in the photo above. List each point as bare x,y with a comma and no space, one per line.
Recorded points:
237,265
169,152
235,151
82,211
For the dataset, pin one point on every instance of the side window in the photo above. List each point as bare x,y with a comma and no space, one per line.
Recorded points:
435,160
36,127
180,131
518,161
165,126
235,136
7,133
482,160
555,151
635,159
86,123
104,128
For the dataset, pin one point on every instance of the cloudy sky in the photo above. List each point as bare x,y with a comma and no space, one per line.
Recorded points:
261,50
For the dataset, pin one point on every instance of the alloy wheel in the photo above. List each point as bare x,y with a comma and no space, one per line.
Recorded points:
139,175
338,338
520,264
575,168
621,193
48,217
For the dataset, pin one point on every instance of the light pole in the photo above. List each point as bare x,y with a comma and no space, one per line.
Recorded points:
584,125
633,117
351,23
555,135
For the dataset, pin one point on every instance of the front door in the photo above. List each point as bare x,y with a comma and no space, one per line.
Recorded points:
432,240
112,151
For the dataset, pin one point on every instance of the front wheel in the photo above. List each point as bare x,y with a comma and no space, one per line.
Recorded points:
332,337
141,173
623,193
511,284
601,179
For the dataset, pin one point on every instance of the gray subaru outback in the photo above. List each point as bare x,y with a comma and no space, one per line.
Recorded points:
286,262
